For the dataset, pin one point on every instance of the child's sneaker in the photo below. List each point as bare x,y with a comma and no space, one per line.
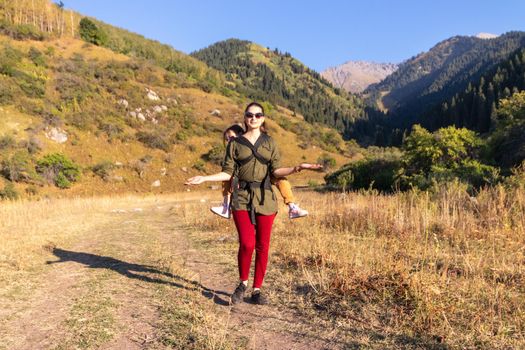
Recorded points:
223,211
295,212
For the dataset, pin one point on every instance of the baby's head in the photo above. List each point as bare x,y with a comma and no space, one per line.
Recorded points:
232,132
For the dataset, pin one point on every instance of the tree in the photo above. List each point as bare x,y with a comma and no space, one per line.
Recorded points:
447,154
91,33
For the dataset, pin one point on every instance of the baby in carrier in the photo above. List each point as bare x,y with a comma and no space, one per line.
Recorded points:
282,184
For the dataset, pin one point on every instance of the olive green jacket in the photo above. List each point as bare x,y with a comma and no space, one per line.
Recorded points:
253,171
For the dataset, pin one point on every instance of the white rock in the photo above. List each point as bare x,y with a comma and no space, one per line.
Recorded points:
154,121
152,95
164,108
163,172
214,187
123,103
137,209
203,200
156,183
157,109
184,169
141,117
133,114
118,178
119,164
138,109
215,112
56,134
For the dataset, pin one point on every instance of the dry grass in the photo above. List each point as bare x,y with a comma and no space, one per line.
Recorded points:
408,270
414,269
30,230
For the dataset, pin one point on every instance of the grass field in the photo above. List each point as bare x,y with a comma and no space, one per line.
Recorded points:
411,270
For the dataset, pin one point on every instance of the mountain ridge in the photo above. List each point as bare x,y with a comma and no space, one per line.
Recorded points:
356,76
261,73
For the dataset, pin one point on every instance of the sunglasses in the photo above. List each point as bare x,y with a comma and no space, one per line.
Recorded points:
251,115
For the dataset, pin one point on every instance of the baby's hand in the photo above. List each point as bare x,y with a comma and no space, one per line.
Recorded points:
309,166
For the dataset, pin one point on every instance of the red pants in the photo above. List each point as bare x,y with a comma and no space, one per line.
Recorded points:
253,237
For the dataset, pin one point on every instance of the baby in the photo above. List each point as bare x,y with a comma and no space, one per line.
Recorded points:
284,186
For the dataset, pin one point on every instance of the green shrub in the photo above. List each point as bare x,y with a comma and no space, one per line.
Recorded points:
18,167
103,169
37,57
327,161
447,154
181,135
31,86
7,141
9,59
91,33
21,31
32,190
8,90
154,140
72,87
313,183
199,165
112,129
33,145
377,173
58,169
141,165
9,192
215,155
507,141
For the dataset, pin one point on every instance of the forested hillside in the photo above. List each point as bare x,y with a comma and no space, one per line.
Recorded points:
89,108
444,70
432,89
261,73
475,107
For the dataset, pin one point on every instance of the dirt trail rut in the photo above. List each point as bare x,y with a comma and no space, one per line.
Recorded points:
103,292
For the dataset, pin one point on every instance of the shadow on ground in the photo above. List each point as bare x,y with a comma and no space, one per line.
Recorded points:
139,272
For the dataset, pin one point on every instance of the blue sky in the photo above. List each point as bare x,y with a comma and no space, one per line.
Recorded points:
319,33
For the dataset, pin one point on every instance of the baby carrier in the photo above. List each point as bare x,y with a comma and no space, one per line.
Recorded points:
238,184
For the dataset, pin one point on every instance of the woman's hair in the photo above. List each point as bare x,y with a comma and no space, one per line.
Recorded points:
256,104
264,129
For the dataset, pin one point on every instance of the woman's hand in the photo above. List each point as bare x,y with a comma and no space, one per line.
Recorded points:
196,180
308,166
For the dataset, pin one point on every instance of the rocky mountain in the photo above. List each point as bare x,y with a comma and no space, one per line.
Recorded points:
356,76
459,82
444,70
486,36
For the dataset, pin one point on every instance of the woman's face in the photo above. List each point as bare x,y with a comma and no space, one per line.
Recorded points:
229,135
254,117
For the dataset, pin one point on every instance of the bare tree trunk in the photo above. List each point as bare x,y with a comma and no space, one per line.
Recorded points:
72,24
34,13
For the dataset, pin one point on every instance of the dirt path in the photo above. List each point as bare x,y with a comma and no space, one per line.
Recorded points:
118,286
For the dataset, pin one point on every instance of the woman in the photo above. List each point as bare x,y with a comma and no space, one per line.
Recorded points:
282,184
251,159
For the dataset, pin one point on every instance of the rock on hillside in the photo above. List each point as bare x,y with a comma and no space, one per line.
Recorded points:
486,36
356,76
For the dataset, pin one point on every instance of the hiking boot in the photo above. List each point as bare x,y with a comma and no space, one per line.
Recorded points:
238,295
295,212
258,298
223,211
